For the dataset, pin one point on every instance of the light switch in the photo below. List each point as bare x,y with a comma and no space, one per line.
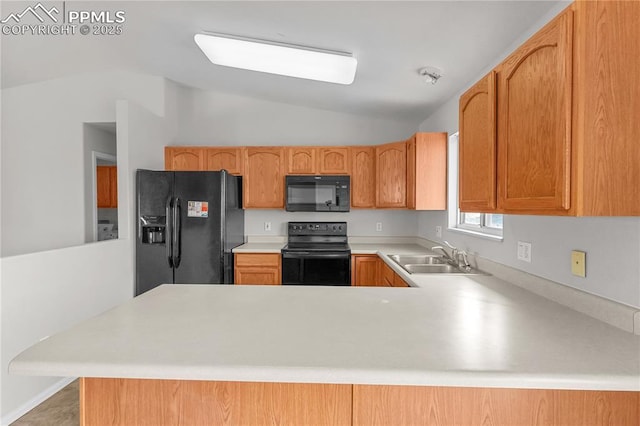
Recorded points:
579,263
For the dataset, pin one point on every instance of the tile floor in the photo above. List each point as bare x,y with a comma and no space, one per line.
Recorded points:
62,409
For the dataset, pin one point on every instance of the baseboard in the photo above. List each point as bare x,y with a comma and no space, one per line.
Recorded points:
35,401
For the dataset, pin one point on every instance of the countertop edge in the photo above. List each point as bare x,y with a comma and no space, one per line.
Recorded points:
338,376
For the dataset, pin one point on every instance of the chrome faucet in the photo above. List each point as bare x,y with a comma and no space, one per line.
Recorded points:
454,257
450,257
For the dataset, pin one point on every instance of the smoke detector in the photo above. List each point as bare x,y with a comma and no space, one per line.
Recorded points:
430,74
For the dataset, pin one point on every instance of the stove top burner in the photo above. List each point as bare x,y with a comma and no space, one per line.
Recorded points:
317,247
317,237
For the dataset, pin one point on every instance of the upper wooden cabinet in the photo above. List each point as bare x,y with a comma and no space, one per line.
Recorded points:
534,121
427,171
396,175
301,160
363,177
566,140
391,175
183,158
606,106
219,158
264,177
334,160
107,186
477,153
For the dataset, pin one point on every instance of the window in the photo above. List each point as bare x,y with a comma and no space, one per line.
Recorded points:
482,224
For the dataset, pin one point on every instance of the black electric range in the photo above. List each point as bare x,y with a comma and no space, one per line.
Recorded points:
317,253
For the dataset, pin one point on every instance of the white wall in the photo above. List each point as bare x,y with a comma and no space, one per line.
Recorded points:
50,290
42,153
47,292
612,244
216,118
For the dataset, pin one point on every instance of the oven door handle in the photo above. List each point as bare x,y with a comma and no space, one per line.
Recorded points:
309,255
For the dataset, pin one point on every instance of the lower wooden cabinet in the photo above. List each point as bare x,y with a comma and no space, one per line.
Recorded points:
371,271
257,268
113,401
398,281
364,270
387,276
127,402
434,406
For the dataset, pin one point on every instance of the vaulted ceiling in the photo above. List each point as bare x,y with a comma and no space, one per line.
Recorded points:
391,40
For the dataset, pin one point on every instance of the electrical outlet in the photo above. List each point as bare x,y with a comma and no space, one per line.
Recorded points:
379,226
524,251
579,263
439,231
267,226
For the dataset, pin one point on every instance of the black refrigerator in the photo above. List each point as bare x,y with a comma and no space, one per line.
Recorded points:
187,224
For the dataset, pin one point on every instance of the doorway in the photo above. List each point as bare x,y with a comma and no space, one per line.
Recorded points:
101,182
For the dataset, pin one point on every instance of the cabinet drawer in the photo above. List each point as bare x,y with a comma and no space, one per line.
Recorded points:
255,259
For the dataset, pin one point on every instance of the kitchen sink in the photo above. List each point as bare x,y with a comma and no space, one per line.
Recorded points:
428,264
432,269
424,259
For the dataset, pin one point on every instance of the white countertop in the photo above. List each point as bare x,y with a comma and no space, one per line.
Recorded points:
454,331
260,247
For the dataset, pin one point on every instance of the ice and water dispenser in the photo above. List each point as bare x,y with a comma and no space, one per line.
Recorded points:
153,229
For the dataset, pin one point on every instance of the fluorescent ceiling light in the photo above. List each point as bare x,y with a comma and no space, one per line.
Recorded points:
277,58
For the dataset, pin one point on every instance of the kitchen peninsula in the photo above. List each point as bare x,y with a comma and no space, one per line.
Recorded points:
451,352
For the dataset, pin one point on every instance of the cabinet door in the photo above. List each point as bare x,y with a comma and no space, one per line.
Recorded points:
427,171
398,281
411,172
477,183
301,160
229,159
386,275
391,175
103,186
607,101
333,160
113,186
363,177
364,269
180,158
264,177
257,269
534,121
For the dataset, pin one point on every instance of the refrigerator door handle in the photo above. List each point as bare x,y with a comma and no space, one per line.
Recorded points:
168,231
177,232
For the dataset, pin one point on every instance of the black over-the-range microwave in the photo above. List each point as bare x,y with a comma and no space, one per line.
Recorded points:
318,193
